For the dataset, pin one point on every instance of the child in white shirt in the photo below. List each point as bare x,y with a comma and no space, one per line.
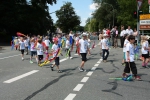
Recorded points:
22,47
40,49
130,65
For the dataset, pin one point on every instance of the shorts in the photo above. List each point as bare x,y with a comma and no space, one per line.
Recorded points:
22,51
33,53
57,61
40,57
46,47
83,55
145,55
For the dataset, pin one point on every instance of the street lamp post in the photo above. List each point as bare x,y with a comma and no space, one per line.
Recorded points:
113,10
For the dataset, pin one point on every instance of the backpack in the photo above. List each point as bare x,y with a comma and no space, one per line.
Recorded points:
114,33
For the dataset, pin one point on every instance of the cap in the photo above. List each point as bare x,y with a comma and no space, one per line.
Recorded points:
84,34
55,39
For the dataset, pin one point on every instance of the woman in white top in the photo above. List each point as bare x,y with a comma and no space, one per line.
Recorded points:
145,52
135,33
47,43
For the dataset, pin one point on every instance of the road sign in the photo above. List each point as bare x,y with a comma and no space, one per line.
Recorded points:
145,22
144,27
144,16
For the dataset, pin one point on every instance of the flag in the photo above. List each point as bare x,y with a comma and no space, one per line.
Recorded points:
139,3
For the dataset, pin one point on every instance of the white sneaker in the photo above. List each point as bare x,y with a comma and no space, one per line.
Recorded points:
71,57
22,59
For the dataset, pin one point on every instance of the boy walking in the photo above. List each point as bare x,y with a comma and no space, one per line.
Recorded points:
130,65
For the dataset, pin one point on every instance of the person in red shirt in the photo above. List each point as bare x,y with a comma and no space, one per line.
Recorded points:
108,32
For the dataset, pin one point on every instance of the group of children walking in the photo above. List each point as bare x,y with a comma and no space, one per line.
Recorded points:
38,46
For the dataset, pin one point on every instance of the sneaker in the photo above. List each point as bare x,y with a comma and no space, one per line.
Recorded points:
105,61
52,68
22,59
59,71
80,69
83,69
124,75
31,62
71,57
138,78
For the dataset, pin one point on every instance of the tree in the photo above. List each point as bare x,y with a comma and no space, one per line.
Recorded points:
19,15
67,18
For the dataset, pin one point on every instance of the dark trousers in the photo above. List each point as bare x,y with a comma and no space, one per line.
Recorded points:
112,40
105,51
121,41
132,66
26,48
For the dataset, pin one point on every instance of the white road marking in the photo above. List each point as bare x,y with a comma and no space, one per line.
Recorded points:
84,79
76,54
70,96
63,59
96,65
78,87
94,68
21,76
99,62
10,56
89,73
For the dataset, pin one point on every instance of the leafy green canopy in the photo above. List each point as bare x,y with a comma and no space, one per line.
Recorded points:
67,18
27,17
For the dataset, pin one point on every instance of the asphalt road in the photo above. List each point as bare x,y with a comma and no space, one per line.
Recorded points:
20,80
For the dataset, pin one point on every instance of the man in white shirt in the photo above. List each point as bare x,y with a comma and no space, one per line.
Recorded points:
123,32
129,31
83,45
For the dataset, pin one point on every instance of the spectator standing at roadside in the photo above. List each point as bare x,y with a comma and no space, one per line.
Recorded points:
135,34
129,31
122,38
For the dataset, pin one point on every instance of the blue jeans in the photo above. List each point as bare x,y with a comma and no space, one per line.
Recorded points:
105,57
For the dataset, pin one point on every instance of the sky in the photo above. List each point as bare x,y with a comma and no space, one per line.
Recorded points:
83,8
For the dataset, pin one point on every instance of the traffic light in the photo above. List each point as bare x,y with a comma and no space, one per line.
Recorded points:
135,14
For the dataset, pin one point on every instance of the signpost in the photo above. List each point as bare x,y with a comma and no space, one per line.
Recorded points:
149,5
145,22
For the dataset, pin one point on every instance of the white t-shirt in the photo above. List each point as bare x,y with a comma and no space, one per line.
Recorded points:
130,48
83,46
67,44
125,44
26,42
129,32
123,32
40,49
32,45
145,44
22,45
55,48
47,42
71,35
104,42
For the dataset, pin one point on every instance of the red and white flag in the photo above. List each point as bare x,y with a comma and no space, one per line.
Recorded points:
139,3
